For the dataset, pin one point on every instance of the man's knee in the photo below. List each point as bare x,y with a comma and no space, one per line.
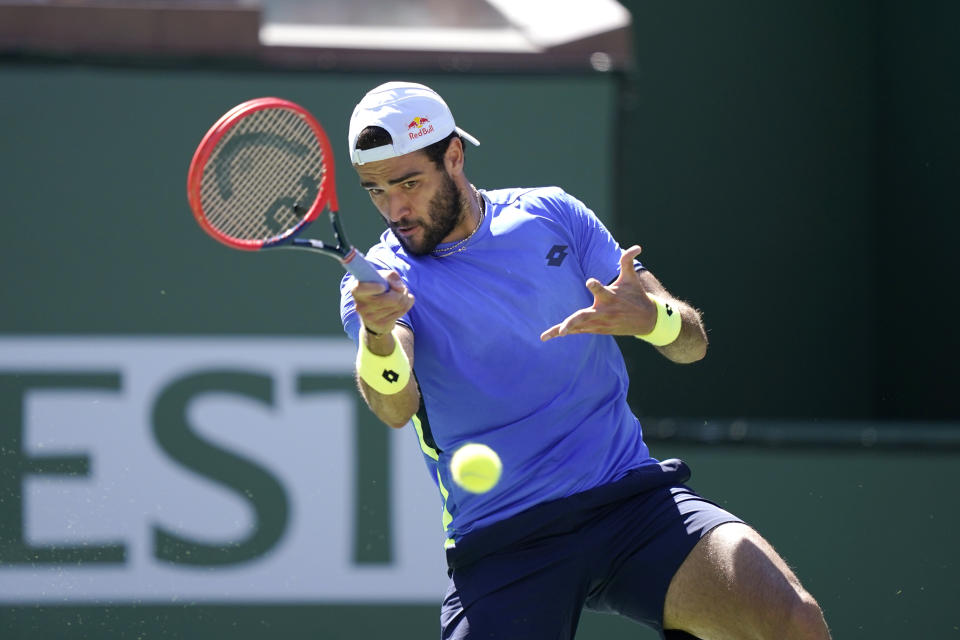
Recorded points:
783,609
805,619
735,585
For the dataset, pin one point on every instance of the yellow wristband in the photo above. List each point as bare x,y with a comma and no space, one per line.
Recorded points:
668,324
385,374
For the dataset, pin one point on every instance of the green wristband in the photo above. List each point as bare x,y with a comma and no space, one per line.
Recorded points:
668,324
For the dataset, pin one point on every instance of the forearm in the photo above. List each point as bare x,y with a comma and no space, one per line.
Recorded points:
395,409
691,344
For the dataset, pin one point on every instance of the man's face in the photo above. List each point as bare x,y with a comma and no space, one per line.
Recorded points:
419,202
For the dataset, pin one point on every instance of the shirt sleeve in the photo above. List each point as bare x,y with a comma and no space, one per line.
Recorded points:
348,309
596,248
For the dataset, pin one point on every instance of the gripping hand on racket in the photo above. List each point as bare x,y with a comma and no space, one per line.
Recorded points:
624,308
379,311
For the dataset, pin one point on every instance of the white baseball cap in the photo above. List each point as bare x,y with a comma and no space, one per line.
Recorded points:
414,115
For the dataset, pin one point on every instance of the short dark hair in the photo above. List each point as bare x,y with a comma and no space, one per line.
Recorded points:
373,137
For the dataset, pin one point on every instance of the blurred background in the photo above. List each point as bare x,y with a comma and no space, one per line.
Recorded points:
183,453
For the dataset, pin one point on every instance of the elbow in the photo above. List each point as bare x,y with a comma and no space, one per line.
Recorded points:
699,352
397,424
688,357
400,414
687,353
395,417
696,349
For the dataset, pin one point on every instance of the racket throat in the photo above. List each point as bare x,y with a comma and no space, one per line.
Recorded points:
320,246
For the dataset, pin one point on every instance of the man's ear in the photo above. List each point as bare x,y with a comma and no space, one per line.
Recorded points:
453,157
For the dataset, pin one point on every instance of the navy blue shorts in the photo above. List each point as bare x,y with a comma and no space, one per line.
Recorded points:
613,549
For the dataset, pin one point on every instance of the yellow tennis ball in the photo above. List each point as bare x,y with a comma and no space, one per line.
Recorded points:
476,467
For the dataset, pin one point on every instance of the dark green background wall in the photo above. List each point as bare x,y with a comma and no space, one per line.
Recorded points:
919,177
792,168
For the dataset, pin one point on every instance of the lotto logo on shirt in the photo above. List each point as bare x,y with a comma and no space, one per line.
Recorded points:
420,126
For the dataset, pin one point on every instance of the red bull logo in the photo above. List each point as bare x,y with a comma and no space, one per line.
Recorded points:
420,126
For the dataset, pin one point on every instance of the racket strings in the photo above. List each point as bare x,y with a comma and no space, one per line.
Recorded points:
263,176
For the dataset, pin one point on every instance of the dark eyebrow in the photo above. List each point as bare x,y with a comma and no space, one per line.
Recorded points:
403,178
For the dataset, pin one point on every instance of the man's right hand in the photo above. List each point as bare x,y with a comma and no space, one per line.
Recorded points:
378,309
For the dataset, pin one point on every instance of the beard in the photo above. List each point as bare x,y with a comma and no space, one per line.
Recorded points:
446,212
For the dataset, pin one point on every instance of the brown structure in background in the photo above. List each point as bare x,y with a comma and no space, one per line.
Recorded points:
174,29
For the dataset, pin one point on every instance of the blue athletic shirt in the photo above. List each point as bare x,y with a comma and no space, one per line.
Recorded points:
556,412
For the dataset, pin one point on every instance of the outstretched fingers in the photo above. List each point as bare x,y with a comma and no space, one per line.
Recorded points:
626,263
572,324
609,314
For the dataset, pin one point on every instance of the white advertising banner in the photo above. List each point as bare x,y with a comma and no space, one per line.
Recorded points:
204,469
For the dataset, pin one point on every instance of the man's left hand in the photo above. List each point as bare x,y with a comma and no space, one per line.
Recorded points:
620,308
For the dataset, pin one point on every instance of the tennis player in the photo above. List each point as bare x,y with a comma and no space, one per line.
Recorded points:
497,329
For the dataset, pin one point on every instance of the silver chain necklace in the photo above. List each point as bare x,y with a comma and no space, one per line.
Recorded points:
462,244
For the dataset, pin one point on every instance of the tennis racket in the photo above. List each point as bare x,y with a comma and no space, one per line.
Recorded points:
262,173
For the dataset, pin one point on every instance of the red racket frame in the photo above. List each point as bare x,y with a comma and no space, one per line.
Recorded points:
326,193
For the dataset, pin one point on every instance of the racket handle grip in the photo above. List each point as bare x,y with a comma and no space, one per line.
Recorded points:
362,270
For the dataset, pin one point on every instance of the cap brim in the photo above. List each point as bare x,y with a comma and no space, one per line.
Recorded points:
466,136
